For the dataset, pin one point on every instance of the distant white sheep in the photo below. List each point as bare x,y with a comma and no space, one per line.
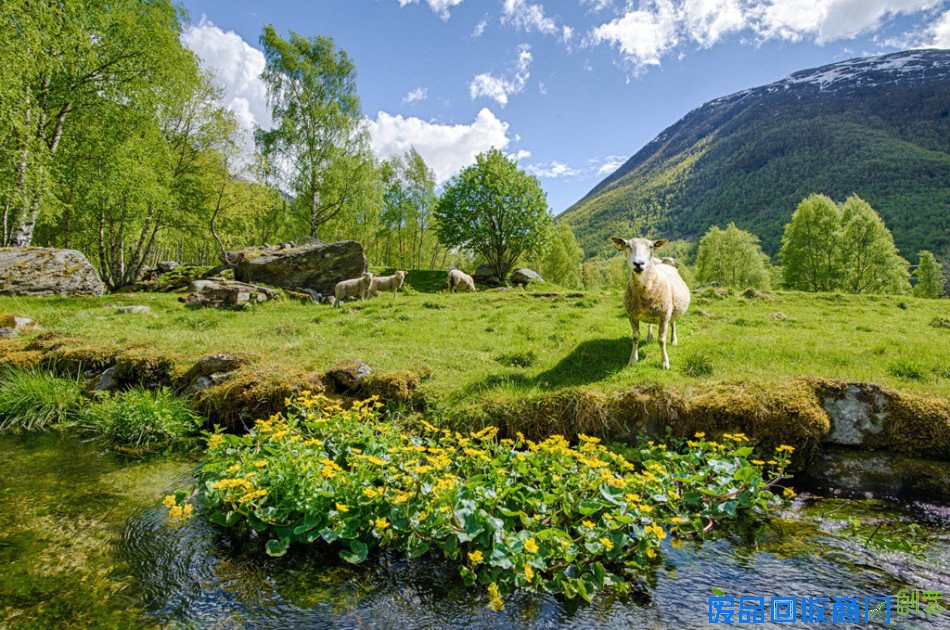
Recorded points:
458,279
387,283
353,287
655,292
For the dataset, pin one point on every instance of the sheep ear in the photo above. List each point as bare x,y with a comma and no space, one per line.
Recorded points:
619,243
660,243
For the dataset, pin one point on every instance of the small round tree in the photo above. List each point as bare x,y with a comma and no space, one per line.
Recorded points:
561,262
929,273
733,257
495,209
810,246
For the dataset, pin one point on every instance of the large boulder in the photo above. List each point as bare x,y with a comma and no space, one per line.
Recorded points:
484,275
47,271
524,276
221,293
317,266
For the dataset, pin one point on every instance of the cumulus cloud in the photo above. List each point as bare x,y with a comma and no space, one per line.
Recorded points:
644,33
446,148
609,164
439,7
237,66
528,17
939,32
413,96
551,170
479,29
499,88
642,36
520,154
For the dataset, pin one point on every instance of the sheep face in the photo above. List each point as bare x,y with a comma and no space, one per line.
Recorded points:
638,251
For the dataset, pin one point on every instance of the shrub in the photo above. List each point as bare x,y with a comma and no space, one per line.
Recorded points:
36,400
512,513
142,418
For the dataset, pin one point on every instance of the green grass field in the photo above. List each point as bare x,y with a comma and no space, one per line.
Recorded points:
518,342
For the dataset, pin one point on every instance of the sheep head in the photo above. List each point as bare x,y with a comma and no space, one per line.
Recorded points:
638,251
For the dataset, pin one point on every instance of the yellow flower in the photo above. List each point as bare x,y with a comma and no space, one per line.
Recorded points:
175,511
475,556
651,552
588,524
631,497
772,462
189,509
342,507
757,462
250,496
588,439
658,531
215,440
381,523
786,448
789,493
233,468
606,542
676,543
370,493
375,460
528,572
260,463
531,545
170,501
494,598
699,435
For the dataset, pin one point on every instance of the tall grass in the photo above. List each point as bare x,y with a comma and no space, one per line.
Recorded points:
142,418
36,400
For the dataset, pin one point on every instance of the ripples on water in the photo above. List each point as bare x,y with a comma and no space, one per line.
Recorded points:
146,573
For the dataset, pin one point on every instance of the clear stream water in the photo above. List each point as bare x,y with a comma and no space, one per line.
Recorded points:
84,543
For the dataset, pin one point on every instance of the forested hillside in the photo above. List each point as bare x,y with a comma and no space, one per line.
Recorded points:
877,127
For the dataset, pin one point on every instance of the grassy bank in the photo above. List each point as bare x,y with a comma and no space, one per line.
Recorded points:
492,345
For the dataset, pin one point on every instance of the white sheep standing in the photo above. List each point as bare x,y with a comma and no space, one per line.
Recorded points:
655,292
387,283
457,279
353,287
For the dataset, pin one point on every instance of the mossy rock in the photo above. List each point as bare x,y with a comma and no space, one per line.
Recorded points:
918,425
145,368
7,320
397,386
72,356
250,395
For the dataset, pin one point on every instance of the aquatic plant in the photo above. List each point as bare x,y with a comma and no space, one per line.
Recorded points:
513,513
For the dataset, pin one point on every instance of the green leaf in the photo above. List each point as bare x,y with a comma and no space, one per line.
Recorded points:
277,548
357,552
718,592
588,507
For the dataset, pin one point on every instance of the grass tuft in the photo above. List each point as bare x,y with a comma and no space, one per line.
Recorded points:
518,359
698,365
142,418
36,400
906,369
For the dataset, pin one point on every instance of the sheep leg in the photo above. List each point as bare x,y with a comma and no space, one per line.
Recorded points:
649,333
662,336
634,353
673,326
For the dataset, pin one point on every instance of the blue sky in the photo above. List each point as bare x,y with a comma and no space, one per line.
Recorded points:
570,88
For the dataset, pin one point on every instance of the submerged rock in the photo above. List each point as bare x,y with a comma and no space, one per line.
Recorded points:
47,271
855,473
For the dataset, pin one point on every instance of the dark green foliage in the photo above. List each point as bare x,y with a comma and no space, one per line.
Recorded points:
750,158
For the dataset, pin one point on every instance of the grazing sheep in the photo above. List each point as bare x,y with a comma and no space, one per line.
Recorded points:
387,283
666,260
353,287
459,279
655,292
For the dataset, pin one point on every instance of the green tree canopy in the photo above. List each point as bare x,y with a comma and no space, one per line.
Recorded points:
561,262
319,147
930,279
732,257
496,210
847,247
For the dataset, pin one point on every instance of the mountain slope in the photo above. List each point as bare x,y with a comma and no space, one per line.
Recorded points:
878,127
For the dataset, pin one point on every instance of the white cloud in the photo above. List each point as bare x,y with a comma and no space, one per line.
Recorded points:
707,21
828,20
413,96
940,32
479,29
642,36
655,28
439,7
609,164
499,88
551,170
520,154
237,67
528,17
446,148
597,5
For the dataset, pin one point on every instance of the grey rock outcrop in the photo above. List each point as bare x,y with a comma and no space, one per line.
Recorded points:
47,271
316,266
524,276
484,275
220,293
